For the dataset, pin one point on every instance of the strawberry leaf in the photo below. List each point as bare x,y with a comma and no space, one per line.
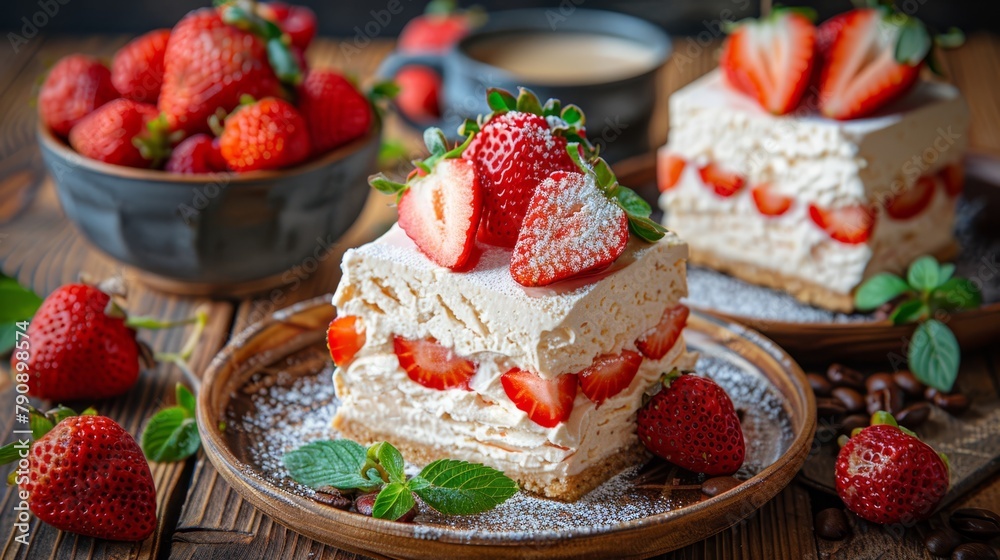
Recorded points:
934,355
632,203
435,141
283,62
330,463
552,108
10,453
60,413
573,115
40,425
878,290
527,102
460,488
393,502
384,185
924,274
646,229
171,435
914,42
500,100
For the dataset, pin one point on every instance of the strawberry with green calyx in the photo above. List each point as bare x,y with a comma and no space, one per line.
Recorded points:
691,422
266,134
124,132
885,474
441,202
284,62
85,475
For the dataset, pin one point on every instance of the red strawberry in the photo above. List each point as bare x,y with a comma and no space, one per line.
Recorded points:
570,228
771,59
208,65
344,339
432,365
770,203
887,476
547,402
137,69
609,375
436,30
691,422
725,183
669,167
196,154
419,88
657,341
861,72
909,203
851,224
122,132
88,476
513,153
267,134
953,178
299,22
75,86
334,109
78,350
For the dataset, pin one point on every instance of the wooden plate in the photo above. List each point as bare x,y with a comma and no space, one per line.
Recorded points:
269,391
825,336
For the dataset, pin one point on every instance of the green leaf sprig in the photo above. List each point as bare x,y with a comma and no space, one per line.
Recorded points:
929,287
449,486
172,433
19,304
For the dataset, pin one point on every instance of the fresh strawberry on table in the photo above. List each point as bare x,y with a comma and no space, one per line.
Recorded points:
609,375
547,402
440,204
885,474
335,111
75,86
87,475
198,153
265,134
137,69
432,365
299,22
122,132
691,422
771,59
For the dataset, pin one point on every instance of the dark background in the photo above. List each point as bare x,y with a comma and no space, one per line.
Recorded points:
339,17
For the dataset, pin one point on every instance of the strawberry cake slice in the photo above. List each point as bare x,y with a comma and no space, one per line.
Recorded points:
814,159
531,354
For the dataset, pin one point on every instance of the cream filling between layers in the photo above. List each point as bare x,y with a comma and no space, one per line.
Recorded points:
484,425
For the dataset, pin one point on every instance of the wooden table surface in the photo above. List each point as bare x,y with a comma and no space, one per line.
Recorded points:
200,516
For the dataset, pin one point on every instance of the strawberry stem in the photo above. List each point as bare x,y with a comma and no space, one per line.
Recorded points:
180,359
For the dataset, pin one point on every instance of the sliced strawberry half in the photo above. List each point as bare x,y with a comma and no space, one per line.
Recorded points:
912,201
851,224
669,167
344,338
771,59
953,178
725,183
609,375
769,202
547,402
657,341
432,365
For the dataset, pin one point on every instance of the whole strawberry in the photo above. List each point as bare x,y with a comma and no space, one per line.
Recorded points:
79,351
88,476
208,65
440,27
122,132
137,69
299,22
75,86
886,475
334,109
266,134
419,88
691,422
196,154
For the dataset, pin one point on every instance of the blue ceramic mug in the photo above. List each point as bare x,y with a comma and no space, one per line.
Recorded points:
604,62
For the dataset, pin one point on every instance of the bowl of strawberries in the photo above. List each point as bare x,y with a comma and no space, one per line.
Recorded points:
208,156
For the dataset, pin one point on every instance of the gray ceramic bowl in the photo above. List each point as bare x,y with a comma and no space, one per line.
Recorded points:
213,234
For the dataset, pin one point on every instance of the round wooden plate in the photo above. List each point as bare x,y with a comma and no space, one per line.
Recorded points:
269,391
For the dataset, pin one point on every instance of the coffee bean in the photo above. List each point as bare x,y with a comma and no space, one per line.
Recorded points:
843,376
878,382
831,524
914,415
974,551
820,385
852,422
717,485
909,383
889,399
976,523
853,400
332,497
941,542
829,406
954,403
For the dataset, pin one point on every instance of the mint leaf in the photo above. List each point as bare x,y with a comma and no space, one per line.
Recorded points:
329,463
390,459
18,303
934,355
908,312
185,399
460,488
945,273
171,435
878,290
957,293
393,502
924,274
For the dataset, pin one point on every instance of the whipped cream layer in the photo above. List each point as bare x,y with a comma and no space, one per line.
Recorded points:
483,314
